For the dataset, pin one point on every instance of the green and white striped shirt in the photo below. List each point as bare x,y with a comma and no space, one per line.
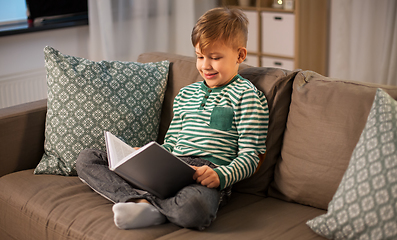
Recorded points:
225,125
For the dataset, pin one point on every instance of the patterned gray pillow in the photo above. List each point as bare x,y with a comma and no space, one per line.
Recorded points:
365,203
86,97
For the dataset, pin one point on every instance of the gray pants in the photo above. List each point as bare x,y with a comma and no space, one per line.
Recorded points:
194,206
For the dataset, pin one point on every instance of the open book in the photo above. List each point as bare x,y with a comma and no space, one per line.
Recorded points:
151,168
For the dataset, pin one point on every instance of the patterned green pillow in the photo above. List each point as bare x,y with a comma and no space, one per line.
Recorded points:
365,203
85,98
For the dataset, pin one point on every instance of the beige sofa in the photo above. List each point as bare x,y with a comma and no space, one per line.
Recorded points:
315,123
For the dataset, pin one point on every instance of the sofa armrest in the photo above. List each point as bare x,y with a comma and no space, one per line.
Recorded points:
22,136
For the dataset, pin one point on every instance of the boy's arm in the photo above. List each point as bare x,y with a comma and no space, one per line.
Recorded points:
252,119
174,128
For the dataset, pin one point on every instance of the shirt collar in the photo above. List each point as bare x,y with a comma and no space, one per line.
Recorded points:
218,89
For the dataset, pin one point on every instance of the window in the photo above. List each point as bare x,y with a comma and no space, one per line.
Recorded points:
12,11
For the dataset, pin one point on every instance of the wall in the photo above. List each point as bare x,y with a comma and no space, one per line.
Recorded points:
22,72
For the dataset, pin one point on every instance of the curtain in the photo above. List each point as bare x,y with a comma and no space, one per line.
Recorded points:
363,40
123,29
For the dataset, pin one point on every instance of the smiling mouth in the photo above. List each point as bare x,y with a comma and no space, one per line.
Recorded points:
210,75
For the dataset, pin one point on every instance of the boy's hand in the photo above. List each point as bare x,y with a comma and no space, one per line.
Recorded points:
206,176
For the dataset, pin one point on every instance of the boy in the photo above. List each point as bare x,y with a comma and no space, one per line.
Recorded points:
219,127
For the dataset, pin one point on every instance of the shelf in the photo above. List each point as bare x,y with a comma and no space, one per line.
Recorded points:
308,31
268,55
267,9
276,56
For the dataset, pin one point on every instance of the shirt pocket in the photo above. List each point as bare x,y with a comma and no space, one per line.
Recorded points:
222,118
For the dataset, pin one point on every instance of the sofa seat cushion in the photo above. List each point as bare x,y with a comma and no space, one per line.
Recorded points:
267,219
58,207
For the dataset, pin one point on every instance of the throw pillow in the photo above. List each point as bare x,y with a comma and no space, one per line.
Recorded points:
86,97
365,203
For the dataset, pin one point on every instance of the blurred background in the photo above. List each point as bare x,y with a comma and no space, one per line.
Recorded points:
353,39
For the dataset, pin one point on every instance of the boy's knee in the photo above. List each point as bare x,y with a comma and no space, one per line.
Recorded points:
88,157
198,206
82,158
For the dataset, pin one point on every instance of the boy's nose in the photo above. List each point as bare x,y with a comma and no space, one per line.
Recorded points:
206,64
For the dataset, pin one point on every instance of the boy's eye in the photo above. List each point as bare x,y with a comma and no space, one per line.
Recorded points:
216,58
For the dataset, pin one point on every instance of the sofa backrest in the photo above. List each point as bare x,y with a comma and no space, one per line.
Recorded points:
22,136
182,73
325,122
276,84
314,125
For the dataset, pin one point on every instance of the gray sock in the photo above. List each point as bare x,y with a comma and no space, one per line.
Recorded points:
136,215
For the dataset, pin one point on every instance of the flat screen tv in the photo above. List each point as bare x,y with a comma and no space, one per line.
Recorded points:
51,8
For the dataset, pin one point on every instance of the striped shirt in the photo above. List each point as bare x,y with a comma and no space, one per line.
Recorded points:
225,125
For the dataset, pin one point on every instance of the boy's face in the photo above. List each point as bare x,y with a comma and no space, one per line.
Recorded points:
219,63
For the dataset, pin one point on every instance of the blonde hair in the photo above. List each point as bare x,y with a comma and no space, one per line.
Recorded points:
224,24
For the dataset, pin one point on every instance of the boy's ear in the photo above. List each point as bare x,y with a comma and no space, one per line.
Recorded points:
242,54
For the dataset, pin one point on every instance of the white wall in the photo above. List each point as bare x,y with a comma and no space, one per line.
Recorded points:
22,72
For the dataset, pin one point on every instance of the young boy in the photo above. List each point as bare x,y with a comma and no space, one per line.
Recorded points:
219,127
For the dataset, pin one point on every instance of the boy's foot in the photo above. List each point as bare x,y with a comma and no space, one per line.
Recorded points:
136,215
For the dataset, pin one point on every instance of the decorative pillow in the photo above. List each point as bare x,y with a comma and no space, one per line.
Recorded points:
86,97
365,203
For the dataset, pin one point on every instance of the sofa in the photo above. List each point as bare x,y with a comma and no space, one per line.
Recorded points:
315,123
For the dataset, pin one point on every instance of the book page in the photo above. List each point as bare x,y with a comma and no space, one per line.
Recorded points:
117,150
